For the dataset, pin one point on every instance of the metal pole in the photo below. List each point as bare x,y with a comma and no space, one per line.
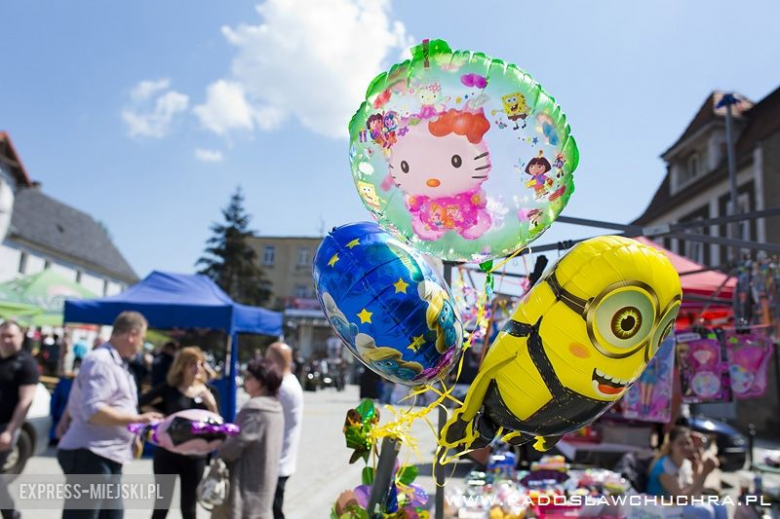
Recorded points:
728,101
438,468
383,477
232,373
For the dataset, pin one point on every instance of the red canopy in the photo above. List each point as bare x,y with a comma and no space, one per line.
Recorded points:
700,284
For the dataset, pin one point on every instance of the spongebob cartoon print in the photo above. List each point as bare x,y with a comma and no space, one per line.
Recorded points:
515,109
367,192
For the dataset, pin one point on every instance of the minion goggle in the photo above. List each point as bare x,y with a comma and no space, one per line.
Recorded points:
623,318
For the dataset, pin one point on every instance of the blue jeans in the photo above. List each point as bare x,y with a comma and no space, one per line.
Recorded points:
82,462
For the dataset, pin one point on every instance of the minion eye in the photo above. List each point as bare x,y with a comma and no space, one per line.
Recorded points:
626,322
624,318
665,326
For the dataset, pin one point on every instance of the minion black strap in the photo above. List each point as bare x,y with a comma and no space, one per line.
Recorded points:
538,355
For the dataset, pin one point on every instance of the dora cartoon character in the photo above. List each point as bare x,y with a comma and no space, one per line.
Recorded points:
538,167
441,166
381,127
440,317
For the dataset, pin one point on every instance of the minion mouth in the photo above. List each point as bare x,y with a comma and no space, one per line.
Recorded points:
607,385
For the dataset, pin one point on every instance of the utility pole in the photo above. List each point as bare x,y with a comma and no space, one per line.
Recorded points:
728,101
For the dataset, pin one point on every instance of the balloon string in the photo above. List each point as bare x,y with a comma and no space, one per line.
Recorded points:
507,259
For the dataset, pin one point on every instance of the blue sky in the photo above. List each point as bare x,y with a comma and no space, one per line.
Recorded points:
147,115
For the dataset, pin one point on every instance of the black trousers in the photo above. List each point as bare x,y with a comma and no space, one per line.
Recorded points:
279,497
190,471
83,461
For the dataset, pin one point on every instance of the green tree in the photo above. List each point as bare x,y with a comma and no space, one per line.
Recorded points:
231,261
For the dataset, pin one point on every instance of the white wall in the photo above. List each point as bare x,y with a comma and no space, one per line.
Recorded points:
66,272
9,270
9,263
35,264
92,283
114,288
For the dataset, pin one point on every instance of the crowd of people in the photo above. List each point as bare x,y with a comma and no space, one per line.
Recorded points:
105,398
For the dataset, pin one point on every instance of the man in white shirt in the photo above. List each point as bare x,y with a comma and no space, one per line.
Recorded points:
291,398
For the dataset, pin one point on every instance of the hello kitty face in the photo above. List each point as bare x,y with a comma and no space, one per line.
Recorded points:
424,165
429,94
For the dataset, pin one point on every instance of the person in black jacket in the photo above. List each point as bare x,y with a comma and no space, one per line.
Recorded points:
163,362
185,388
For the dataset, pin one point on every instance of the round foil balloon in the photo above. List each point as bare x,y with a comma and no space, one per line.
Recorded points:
463,155
387,304
574,345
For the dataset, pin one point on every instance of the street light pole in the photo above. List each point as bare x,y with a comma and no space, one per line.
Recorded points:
728,101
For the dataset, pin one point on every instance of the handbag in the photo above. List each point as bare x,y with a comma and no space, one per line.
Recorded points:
213,489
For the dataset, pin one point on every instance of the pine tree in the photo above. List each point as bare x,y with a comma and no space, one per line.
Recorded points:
231,261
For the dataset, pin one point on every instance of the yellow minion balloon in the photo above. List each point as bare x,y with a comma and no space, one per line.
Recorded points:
574,345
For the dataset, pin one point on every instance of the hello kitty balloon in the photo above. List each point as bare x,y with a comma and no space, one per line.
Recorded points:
462,155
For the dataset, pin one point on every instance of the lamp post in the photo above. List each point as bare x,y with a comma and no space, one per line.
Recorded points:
728,101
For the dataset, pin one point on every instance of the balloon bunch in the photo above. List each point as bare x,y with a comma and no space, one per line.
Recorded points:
462,157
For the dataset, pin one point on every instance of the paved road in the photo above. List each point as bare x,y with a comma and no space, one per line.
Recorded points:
323,464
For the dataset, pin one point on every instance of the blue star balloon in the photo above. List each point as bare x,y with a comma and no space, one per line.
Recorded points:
388,304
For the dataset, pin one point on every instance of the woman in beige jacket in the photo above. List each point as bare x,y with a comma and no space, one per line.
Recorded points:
252,457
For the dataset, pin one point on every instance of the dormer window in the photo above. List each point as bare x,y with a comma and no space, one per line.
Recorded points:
694,166
690,170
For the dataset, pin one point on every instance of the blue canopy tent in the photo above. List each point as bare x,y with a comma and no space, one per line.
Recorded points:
169,300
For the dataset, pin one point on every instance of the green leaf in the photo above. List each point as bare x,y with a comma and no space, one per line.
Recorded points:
407,474
368,476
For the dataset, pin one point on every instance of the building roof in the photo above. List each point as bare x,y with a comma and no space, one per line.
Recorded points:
759,121
59,229
9,156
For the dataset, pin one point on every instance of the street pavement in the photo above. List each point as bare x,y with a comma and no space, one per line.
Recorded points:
323,460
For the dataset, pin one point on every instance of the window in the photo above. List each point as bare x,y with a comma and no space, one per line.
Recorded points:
301,291
693,166
269,255
23,263
304,259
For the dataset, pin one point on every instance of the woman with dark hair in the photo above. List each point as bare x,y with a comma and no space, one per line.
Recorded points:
253,456
680,469
185,388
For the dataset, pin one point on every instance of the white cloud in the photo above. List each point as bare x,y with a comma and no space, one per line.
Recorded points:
309,60
145,89
208,155
153,108
226,108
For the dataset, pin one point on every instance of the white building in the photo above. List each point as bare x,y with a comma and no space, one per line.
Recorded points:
39,232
